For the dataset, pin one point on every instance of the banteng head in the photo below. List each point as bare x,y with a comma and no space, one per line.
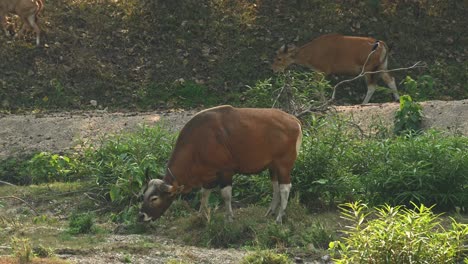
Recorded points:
284,57
157,198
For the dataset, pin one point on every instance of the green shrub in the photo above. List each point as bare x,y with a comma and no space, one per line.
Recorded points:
42,167
119,165
81,224
408,118
318,234
254,189
13,170
338,164
291,91
47,167
191,94
420,89
218,233
398,235
332,156
431,168
251,228
266,257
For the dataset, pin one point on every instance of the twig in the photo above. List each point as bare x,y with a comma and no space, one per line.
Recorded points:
7,183
17,198
416,65
277,97
321,108
358,76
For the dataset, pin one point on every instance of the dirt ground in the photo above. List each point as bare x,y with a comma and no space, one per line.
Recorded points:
60,132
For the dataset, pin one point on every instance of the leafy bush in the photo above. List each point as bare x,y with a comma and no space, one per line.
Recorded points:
332,155
220,234
266,257
255,188
250,228
398,235
420,89
81,224
336,164
431,168
408,118
318,234
119,164
291,91
13,170
43,167
48,167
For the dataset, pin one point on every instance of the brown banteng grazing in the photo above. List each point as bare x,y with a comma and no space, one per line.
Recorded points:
341,55
27,10
219,142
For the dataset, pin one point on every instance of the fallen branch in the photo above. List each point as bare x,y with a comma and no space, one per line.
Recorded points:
19,199
7,183
363,73
277,97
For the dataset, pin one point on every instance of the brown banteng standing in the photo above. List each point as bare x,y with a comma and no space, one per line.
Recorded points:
341,55
220,142
27,10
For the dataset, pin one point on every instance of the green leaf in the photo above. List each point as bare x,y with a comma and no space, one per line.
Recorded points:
114,193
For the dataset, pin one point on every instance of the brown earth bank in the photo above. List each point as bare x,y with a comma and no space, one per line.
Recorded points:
66,131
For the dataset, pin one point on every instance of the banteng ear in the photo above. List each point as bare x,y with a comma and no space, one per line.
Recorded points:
284,48
160,185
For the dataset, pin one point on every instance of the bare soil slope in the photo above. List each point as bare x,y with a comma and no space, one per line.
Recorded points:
61,132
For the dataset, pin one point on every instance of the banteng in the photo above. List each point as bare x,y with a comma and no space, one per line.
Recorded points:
220,142
27,10
341,55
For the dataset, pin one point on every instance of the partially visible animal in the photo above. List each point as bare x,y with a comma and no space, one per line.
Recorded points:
220,142
340,55
27,10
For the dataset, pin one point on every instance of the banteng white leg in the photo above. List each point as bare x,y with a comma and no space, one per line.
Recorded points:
205,194
390,81
275,200
370,92
226,193
284,193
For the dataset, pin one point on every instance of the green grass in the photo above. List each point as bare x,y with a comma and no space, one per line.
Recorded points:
251,229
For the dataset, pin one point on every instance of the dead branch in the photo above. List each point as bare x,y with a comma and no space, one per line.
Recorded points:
7,183
19,199
363,73
277,97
